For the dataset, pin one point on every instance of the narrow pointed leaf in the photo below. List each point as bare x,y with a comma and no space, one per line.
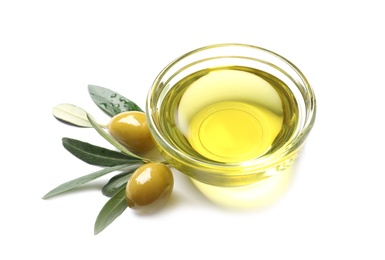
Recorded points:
111,139
117,182
110,211
96,155
110,102
82,180
71,114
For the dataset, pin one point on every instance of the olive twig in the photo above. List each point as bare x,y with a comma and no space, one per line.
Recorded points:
143,184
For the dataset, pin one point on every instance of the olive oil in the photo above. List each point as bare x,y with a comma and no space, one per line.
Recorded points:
229,114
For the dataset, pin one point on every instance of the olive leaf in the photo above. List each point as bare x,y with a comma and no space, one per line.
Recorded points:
96,155
114,207
110,102
117,182
112,140
71,114
82,180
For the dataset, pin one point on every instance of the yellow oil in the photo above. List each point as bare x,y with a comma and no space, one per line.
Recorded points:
232,115
229,114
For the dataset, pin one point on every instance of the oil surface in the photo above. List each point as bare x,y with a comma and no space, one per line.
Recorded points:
229,114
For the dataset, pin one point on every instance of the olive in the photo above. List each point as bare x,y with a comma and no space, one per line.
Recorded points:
149,187
131,130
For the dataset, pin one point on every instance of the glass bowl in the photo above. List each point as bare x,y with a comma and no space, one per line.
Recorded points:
250,163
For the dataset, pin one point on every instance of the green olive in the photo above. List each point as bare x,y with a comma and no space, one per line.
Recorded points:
131,130
149,187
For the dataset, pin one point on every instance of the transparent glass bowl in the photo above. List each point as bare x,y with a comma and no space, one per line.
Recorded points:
239,183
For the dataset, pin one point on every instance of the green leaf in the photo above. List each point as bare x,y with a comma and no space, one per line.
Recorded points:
112,140
82,180
110,102
96,155
71,114
111,210
117,182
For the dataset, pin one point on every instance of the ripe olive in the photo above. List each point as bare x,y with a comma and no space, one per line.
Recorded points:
149,187
131,130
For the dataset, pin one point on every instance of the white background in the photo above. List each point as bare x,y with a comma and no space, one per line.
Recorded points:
51,50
